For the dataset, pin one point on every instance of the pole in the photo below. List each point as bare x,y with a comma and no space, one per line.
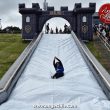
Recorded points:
45,4
0,25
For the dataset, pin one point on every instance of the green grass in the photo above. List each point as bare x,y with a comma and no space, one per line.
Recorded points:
100,52
11,46
92,47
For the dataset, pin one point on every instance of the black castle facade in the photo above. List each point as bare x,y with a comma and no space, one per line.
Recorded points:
80,19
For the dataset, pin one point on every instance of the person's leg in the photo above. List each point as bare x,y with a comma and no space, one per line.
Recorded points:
54,76
58,75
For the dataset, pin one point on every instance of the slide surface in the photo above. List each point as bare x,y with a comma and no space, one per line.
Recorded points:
77,90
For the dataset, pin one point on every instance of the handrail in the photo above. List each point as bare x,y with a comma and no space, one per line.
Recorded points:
10,78
99,72
104,40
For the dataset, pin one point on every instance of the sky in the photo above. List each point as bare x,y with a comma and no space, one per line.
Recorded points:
9,13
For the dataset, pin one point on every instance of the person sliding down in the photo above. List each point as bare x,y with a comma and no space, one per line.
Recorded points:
58,67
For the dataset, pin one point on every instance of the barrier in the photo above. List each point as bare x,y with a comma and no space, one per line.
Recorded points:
104,40
10,78
101,75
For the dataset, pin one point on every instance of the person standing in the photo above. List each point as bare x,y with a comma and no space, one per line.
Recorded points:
65,28
51,31
60,31
47,28
56,30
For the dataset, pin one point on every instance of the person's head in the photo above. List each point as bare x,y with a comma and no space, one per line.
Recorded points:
58,64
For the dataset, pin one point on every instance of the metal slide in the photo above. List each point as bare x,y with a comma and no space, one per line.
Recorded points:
77,90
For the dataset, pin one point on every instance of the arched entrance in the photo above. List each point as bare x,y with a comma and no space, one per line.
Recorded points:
56,22
45,17
79,18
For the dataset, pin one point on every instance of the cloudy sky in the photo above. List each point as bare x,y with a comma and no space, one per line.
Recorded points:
11,17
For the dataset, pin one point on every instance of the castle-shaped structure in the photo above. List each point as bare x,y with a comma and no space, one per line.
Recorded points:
80,19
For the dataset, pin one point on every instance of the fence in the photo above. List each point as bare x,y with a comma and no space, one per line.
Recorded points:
104,40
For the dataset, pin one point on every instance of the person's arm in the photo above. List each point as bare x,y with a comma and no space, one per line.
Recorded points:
54,63
57,59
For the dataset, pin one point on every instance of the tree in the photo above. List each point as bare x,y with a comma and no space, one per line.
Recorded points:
11,29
